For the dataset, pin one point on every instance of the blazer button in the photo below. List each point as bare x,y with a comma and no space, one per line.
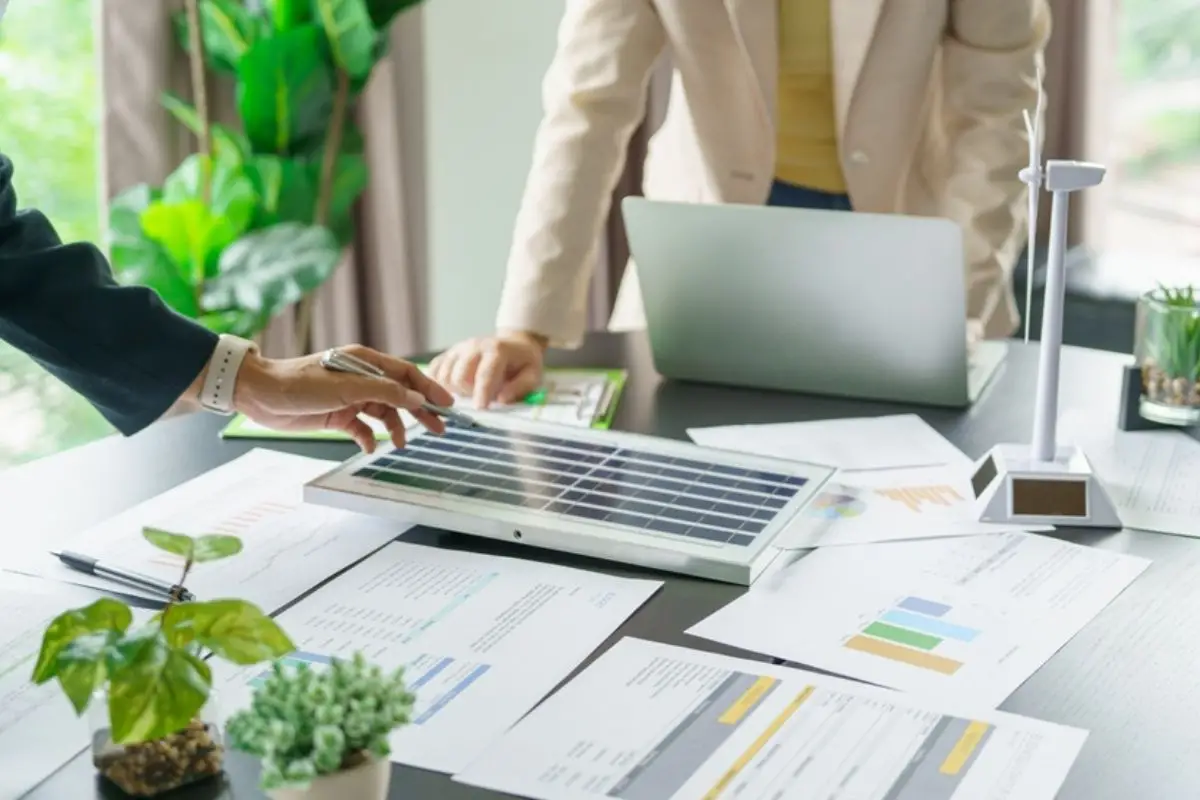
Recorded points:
859,157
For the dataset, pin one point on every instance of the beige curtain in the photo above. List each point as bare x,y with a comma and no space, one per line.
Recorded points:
375,297
1080,71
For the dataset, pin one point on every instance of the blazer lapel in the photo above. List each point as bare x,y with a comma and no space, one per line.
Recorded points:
852,24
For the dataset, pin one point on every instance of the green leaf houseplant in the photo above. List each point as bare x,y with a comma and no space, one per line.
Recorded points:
259,216
323,734
148,689
1168,351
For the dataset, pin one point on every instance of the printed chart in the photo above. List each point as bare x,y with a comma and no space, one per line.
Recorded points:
889,505
913,631
967,618
288,546
482,639
650,721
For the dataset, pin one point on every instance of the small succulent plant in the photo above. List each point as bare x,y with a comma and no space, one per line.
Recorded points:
305,722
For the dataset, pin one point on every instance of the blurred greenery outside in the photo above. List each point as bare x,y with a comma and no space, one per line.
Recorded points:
50,103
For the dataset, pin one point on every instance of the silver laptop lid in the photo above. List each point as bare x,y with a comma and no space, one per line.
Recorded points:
829,302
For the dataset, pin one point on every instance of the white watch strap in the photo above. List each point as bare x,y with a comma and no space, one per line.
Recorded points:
221,380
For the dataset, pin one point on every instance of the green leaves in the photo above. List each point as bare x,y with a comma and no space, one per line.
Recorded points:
384,11
267,270
232,629
199,549
352,35
154,690
288,14
229,146
192,235
101,616
233,196
228,31
285,89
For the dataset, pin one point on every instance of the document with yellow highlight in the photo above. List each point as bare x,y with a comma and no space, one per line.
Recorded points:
650,721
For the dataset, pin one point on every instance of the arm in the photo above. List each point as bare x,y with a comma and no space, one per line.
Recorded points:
120,347
990,61
594,95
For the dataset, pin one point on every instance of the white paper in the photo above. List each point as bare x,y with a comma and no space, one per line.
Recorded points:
902,440
994,608
650,721
39,731
483,638
1153,477
887,506
288,546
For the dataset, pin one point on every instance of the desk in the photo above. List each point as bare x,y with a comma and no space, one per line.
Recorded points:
1129,677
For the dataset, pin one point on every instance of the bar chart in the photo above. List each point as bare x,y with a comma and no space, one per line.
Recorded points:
917,498
911,632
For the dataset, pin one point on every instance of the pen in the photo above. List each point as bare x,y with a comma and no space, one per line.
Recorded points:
344,362
91,566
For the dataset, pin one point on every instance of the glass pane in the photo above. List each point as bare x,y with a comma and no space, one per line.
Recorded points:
50,101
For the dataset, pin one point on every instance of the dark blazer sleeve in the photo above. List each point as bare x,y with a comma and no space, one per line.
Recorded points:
120,347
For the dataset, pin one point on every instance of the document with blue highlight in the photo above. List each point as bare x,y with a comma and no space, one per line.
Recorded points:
482,638
650,721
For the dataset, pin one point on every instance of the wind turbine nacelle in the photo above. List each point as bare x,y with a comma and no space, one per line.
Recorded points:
1071,176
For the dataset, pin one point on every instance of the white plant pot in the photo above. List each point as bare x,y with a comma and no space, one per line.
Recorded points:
367,781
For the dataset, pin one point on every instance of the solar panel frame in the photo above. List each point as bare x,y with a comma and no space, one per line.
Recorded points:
647,501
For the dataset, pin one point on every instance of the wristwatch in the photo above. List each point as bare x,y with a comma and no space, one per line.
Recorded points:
219,383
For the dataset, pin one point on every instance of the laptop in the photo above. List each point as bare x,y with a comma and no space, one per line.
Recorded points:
859,305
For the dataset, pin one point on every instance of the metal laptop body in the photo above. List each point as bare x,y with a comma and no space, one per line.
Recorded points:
827,302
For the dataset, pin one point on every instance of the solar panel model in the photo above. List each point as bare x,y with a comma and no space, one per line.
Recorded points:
641,500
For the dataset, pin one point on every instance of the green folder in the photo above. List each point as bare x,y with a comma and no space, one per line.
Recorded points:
242,428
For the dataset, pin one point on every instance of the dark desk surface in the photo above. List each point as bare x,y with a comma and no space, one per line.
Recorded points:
1129,677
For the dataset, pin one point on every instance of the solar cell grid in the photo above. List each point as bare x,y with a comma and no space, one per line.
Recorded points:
647,491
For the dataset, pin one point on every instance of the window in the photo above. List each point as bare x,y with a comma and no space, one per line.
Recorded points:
50,99
1154,207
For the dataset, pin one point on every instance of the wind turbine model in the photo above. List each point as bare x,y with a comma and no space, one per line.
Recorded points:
1042,483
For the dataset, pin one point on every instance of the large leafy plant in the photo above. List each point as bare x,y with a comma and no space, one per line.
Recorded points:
1173,332
156,675
257,218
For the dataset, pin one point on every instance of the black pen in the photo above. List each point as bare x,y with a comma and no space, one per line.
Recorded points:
91,566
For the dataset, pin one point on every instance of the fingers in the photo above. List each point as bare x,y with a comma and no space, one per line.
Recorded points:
391,421
359,390
488,377
462,379
358,430
409,374
519,386
431,421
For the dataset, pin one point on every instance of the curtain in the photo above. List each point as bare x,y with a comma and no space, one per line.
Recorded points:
1079,75
375,295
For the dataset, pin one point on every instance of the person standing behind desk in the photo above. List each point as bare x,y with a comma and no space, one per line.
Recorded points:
910,107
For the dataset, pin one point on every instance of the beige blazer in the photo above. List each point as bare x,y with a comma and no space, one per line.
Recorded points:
929,95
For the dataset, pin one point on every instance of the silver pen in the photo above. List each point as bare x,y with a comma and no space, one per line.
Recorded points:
91,566
338,361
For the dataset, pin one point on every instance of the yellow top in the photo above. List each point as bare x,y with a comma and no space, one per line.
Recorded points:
807,153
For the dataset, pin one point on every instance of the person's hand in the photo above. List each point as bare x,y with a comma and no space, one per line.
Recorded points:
299,394
502,368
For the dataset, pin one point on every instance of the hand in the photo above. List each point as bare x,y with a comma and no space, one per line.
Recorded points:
974,334
299,394
505,367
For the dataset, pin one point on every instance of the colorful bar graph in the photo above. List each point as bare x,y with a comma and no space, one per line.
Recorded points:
905,655
914,497
930,625
924,606
882,630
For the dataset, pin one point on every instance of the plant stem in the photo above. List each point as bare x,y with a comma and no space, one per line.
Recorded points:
200,95
329,158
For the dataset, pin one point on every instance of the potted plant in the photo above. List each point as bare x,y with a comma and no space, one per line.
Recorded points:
1168,351
259,216
149,687
322,734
